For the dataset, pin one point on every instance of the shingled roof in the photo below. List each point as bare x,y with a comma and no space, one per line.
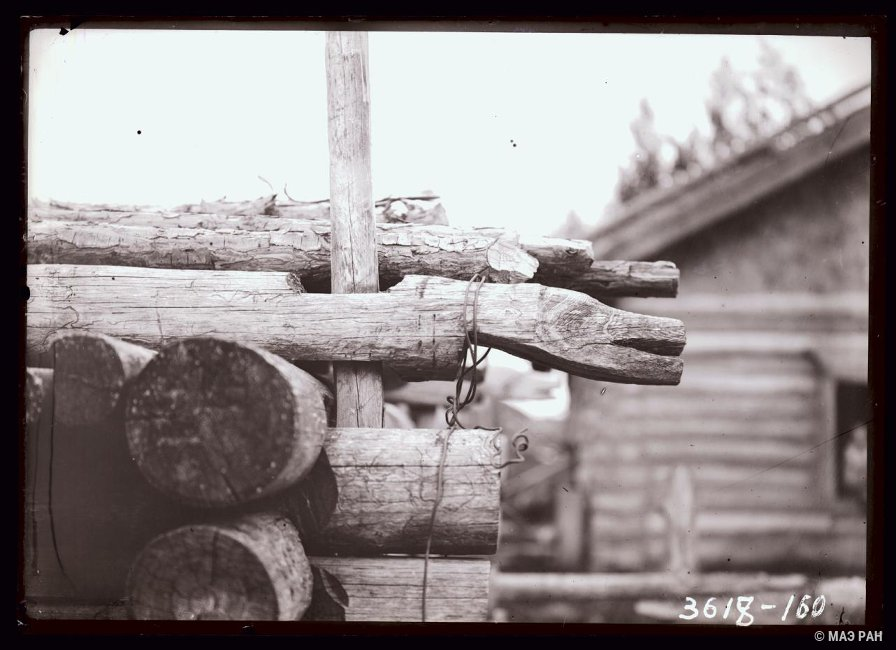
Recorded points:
659,218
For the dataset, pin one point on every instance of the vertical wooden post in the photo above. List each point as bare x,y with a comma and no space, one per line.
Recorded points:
353,260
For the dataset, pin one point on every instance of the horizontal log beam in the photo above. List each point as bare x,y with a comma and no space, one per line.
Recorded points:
387,481
302,247
83,236
390,589
417,326
422,208
513,587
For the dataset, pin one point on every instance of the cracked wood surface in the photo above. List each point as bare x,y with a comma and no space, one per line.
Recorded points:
217,423
415,327
302,247
252,568
269,243
387,480
354,263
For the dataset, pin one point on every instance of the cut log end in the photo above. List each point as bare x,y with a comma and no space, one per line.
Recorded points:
90,374
216,423
253,569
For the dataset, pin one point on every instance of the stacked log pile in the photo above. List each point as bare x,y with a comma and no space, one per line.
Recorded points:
182,465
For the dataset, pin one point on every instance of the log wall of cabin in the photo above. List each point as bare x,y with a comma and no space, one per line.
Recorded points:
774,300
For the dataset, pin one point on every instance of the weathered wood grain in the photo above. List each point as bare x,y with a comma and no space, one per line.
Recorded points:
215,423
371,491
302,247
387,483
354,264
252,568
153,307
417,326
270,243
390,588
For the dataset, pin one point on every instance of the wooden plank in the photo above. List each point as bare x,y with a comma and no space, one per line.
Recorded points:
353,251
696,448
417,326
514,587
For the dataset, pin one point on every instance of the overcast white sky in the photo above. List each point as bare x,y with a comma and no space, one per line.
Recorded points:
217,109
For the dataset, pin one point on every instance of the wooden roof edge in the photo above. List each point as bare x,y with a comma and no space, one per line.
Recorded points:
656,211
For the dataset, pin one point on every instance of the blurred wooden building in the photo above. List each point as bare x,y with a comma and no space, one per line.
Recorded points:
774,256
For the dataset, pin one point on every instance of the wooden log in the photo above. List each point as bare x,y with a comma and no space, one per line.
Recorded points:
216,423
422,209
622,279
354,264
371,491
302,247
41,574
417,326
390,589
512,587
385,589
387,481
88,509
91,371
270,243
253,568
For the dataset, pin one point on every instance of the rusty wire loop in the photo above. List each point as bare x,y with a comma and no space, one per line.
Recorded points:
456,404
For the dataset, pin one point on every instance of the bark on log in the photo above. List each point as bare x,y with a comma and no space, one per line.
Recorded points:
253,568
185,240
216,423
91,371
422,209
417,326
301,247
